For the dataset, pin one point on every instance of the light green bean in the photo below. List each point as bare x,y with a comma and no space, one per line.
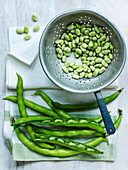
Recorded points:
27,37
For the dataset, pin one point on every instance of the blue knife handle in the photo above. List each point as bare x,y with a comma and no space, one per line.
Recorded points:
105,114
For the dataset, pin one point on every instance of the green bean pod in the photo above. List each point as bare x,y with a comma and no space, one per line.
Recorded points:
118,121
67,143
98,119
23,113
48,100
74,107
96,141
72,122
34,106
67,133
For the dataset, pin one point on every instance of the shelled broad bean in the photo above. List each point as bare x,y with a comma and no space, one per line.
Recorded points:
89,43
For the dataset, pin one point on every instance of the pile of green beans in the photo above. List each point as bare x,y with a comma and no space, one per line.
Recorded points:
22,110
89,43
44,141
54,152
77,147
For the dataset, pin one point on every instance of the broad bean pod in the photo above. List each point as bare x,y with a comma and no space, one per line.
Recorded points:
96,141
74,107
117,122
67,133
67,143
23,113
34,106
72,122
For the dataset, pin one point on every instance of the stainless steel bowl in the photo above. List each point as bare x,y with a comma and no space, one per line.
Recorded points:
53,66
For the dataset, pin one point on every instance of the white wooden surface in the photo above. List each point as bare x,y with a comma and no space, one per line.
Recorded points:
18,13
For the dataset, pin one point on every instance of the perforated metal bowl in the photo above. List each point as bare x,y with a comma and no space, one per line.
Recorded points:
53,66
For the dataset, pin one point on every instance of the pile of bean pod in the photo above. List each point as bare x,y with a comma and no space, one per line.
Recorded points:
43,140
89,43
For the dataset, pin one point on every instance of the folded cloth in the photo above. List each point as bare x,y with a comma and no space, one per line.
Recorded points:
23,50
34,78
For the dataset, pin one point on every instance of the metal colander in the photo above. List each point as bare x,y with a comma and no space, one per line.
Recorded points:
53,66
